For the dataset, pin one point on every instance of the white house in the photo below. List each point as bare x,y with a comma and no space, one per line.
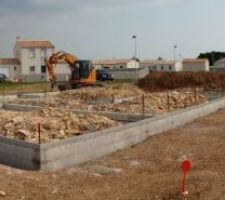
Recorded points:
161,65
31,55
28,62
195,65
10,67
116,63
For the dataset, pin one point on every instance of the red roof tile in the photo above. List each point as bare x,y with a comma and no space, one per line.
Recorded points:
9,61
34,43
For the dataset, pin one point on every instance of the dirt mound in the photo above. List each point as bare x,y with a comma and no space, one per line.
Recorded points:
160,81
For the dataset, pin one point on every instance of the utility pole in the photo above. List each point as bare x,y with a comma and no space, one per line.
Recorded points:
135,55
174,58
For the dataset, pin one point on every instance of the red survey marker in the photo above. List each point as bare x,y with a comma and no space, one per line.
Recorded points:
186,167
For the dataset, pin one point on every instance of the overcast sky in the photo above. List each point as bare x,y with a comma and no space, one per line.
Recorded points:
104,28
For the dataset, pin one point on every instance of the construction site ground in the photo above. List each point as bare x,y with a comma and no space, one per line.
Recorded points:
148,171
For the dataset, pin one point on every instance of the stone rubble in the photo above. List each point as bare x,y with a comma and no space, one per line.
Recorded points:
55,124
155,103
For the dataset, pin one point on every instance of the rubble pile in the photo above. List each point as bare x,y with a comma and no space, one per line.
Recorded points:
99,93
52,102
155,103
55,124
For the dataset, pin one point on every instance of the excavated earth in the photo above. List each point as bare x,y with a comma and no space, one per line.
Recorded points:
101,99
55,124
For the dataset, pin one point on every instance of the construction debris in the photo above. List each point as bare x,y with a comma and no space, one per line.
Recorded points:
154,103
55,124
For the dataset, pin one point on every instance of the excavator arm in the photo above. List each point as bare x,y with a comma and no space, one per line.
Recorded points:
56,58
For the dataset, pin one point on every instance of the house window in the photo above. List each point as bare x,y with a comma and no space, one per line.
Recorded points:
154,68
43,69
121,66
32,68
170,67
162,67
14,68
43,53
31,53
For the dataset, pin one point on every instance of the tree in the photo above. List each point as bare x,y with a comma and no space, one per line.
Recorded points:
212,56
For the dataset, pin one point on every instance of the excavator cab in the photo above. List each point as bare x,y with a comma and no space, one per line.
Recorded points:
81,70
82,73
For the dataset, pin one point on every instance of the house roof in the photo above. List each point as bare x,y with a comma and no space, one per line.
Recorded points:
9,61
111,62
199,60
34,43
157,62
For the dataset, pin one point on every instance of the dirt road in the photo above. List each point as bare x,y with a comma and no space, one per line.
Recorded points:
148,171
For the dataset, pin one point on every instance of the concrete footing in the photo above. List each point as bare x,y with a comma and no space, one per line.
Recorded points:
76,150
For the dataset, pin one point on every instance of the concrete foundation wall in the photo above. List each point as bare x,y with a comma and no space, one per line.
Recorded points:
72,151
19,154
76,150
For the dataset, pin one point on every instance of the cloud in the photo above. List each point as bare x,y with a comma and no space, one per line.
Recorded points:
23,7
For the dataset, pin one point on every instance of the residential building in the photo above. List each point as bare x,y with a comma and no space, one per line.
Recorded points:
31,55
195,65
161,65
28,62
11,67
219,66
116,63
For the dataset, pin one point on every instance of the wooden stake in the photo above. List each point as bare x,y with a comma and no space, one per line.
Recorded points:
143,104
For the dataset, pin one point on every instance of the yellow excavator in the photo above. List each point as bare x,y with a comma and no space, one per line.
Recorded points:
82,72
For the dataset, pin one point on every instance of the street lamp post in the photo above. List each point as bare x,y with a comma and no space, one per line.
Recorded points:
175,47
135,55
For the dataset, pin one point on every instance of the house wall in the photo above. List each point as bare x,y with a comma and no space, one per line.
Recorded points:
13,70
132,64
163,67
114,66
124,74
37,61
196,66
17,52
63,72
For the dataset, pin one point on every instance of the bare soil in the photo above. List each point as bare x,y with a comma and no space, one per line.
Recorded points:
148,171
161,81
